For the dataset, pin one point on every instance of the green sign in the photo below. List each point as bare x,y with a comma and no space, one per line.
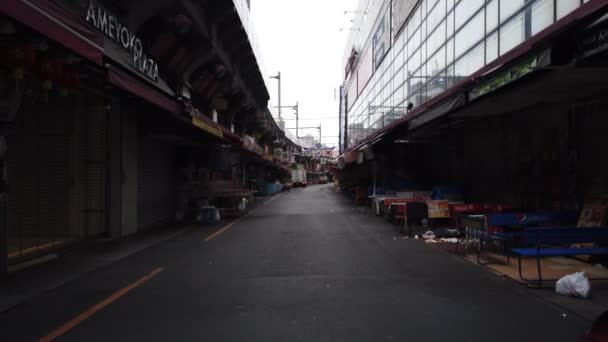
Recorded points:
514,73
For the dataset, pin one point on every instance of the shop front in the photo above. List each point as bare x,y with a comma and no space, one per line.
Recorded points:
55,129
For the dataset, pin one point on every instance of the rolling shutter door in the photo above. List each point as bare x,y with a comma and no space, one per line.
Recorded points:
88,163
95,171
157,184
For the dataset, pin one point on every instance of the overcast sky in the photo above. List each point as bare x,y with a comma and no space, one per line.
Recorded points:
302,39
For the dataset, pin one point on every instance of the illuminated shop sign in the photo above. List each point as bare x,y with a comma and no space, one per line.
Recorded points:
111,26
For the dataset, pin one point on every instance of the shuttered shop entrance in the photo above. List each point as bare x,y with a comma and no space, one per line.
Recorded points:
157,186
56,175
89,170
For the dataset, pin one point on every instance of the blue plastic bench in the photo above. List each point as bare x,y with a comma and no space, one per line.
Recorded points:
556,241
520,219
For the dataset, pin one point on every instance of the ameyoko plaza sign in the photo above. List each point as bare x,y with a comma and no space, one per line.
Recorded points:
109,24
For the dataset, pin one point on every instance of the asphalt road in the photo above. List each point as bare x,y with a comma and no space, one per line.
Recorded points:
306,266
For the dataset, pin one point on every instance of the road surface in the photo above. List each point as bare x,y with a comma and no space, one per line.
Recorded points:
304,266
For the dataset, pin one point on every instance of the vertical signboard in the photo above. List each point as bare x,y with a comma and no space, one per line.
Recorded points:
382,39
401,11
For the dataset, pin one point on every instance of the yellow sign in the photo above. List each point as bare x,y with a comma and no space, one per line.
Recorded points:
207,127
438,209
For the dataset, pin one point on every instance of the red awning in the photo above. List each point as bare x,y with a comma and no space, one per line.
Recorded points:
57,24
139,88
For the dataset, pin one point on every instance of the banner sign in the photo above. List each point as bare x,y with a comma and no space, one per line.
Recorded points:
207,127
595,42
512,74
113,28
382,40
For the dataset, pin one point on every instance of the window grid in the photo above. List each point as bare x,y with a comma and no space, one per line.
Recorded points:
384,85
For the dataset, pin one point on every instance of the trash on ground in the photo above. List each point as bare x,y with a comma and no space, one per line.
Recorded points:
575,284
429,235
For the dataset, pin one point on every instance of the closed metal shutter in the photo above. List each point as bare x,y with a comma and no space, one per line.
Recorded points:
53,173
95,171
88,169
39,178
22,170
157,184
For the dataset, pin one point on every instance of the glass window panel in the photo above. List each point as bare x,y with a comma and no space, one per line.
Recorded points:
437,38
470,62
430,5
436,15
414,62
415,42
512,34
416,17
542,15
470,34
465,10
423,52
449,75
491,16
566,6
398,80
450,4
509,7
450,51
436,62
417,88
436,85
406,77
450,24
491,48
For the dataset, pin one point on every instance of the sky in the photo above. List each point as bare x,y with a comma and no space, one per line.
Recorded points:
302,39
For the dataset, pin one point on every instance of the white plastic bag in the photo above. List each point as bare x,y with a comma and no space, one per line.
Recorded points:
574,285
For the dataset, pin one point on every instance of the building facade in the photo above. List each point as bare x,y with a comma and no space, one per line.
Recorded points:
403,53
120,116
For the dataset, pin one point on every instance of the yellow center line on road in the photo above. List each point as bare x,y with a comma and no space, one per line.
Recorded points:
272,199
223,229
229,225
99,306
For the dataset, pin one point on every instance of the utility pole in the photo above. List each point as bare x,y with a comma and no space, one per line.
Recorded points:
278,78
296,108
320,136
